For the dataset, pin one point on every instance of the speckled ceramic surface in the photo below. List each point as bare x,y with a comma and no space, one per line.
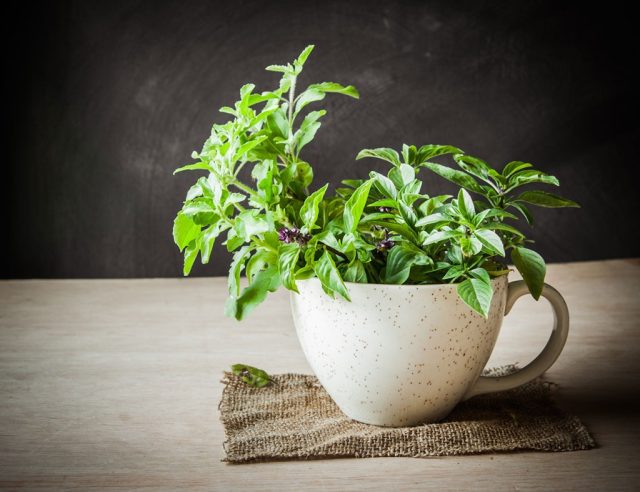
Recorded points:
400,355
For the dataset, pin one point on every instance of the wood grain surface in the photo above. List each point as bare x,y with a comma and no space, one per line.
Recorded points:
114,384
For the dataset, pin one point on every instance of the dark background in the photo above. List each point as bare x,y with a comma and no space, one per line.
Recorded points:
102,101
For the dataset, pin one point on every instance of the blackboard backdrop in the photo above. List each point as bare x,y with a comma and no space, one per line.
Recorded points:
103,100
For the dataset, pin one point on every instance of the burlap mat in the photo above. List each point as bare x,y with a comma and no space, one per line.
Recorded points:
294,418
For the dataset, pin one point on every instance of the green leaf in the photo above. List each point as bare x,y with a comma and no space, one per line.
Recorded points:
251,375
436,218
307,97
194,167
302,58
402,229
532,267
473,165
278,123
465,204
385,202
544,199
279,68
440,236
407,173
402,175
399,263
264,282
246,147
308,129
427,152
250,223
207,241
503,227
458,177
531,176
348,90
260,260
329,276
311,207
454,272
407,213
490,240
190,255
287,260
200,211
355,205
470,245
383,153
384,185
235,269
184,230
513,167
524,210
477,295
409,153
356,272
481,274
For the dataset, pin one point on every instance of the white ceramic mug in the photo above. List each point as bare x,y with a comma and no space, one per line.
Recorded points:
400,355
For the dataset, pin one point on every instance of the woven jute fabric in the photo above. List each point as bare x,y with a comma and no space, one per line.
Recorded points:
294,418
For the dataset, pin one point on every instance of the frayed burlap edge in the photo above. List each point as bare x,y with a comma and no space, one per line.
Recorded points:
294,418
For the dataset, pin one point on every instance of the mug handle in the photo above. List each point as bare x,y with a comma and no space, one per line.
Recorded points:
551,351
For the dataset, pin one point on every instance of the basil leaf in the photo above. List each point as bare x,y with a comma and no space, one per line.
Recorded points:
481,274
307,97
524,210
458,177
190,254
544,199
287,259
308,129
513,167
311,207
399,263
531,176
476,294
427,152
436,218
251,375
329,276
465,204
383,153
355,205
265,281
348,90
490,240
355,272
532,267
194,167
184,230
439,236
250,223
384,185
302,58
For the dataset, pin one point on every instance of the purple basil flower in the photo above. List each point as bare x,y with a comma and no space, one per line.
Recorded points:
293,235
385,245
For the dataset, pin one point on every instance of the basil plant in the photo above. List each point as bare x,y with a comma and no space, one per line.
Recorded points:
384,229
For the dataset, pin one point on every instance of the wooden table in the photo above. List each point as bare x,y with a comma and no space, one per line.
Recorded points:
115,384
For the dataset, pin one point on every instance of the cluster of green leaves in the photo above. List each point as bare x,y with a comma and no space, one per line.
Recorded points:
458,240
267,132
384,229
